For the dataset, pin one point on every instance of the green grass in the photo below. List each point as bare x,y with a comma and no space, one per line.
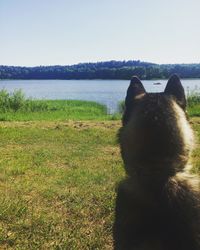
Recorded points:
194,105
60,110
57,184
15,107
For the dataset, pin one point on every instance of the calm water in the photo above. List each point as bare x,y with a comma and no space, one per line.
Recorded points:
108,92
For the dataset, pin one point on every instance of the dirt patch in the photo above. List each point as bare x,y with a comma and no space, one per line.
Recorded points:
59,125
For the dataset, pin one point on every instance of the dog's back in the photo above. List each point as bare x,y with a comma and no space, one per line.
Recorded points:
157,206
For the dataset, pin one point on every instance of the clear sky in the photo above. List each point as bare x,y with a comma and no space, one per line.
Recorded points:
52,32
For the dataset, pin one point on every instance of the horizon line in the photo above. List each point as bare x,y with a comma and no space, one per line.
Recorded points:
96,62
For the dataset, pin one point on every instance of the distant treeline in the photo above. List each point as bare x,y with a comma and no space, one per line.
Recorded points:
102,70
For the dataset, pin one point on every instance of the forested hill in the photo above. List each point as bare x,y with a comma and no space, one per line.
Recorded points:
102,70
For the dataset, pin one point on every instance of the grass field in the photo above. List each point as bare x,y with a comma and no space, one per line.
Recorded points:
58,175
57,183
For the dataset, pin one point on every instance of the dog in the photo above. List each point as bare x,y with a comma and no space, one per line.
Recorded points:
158,204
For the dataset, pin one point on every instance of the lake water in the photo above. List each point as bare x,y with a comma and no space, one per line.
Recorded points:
108,92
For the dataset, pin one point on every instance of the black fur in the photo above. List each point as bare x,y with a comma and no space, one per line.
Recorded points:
155,210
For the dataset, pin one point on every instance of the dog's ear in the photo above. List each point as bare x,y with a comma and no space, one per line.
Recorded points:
135,90
175,88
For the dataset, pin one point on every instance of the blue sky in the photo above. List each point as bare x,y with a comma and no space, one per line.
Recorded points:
51,32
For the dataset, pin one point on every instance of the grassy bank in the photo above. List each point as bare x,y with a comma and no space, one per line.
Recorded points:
57,184
58,110
15,107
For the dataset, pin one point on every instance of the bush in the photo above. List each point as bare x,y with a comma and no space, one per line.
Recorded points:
17,100
4,100
11,101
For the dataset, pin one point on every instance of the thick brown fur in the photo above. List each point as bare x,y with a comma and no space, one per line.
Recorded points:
158,204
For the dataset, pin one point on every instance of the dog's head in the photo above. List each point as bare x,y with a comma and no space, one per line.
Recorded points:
156,136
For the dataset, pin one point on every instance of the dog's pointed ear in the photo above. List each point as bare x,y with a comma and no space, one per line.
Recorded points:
175,88
135,90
